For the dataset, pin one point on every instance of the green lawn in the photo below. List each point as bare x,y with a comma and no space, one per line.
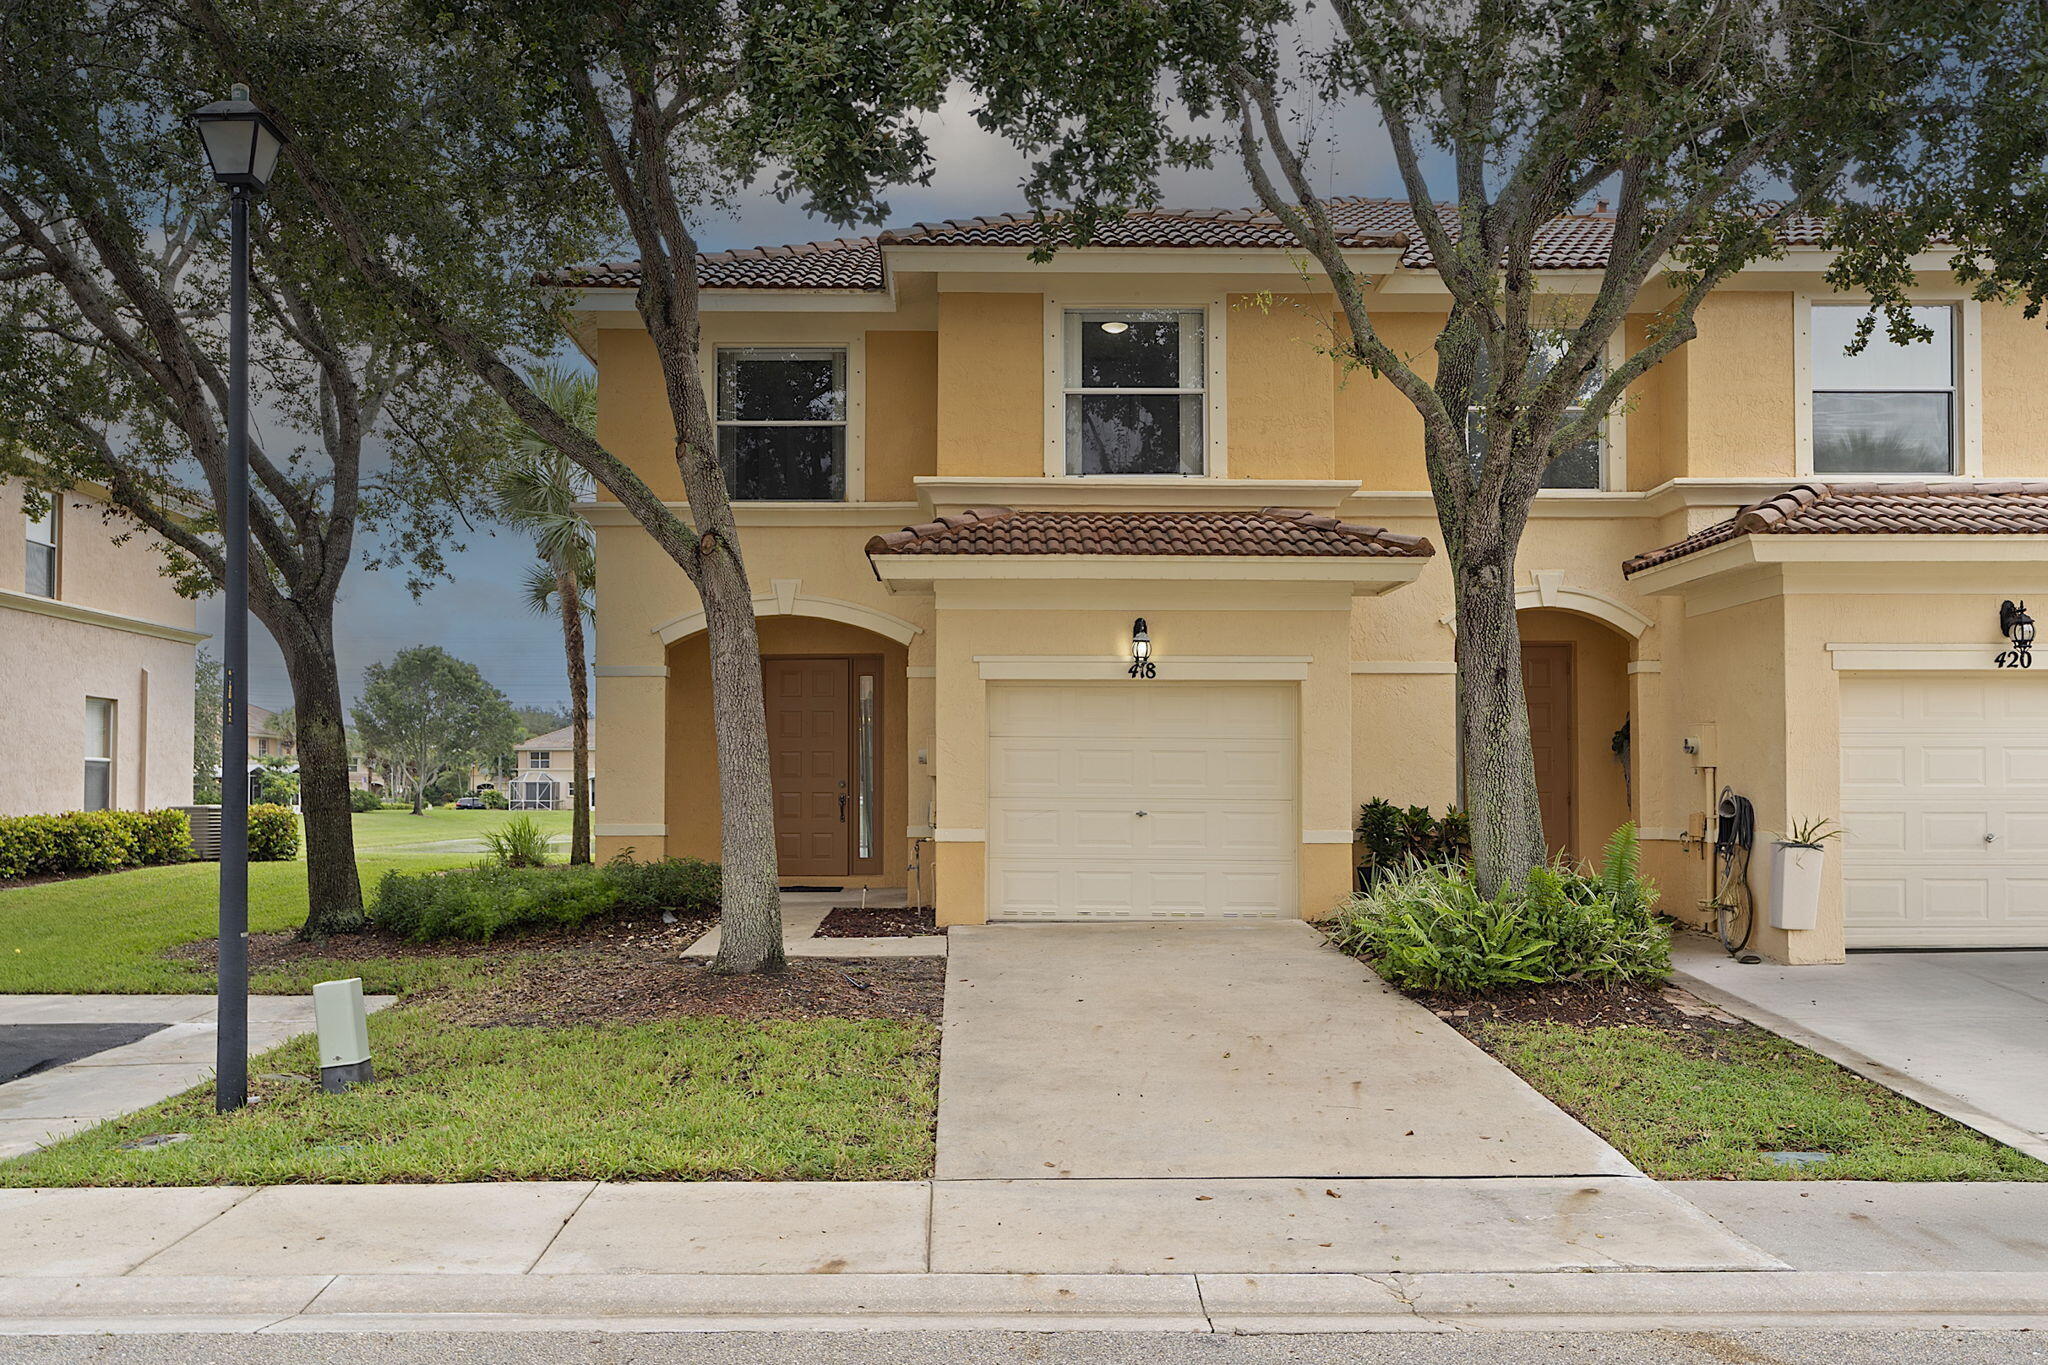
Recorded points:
109,933
1708,1107
694,1099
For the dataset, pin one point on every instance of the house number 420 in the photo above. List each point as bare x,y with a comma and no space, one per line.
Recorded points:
2019,656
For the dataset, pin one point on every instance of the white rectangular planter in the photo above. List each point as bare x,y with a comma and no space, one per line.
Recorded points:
1795,885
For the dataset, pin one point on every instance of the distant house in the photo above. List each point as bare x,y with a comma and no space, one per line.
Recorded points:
96,651
542,771
267,738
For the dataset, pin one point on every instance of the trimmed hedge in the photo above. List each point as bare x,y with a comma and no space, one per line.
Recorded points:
273,834
481,903
85,841
363,802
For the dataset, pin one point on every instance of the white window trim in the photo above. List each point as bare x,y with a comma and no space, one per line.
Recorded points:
112,758
1969,390
1215,456
855,347
55,544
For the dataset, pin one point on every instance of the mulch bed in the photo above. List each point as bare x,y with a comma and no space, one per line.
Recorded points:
877,921
622,988
1666,1008
283,949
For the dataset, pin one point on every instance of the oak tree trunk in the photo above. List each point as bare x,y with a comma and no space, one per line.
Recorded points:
334,890
569,598
750,910
1493,717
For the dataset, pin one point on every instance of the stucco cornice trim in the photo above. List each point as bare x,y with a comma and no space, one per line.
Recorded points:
1942,658
789,600
1159,493
1548,588
87,616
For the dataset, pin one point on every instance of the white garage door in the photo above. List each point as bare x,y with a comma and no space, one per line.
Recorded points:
1142,800
1945,803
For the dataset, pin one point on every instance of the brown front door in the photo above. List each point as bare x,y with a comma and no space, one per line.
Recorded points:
1547,679
810,754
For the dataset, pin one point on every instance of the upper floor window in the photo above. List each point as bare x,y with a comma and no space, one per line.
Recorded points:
40,579
99,754
1135,390
782,423
1890,408
539,759
1575,466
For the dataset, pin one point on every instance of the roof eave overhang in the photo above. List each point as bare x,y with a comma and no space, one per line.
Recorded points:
1901,554
1366,575
1134,260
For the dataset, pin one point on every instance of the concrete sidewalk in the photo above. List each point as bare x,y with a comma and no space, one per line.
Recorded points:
1964,1033
40,1109
804,911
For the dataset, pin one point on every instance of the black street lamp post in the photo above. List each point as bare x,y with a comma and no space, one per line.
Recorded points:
241,146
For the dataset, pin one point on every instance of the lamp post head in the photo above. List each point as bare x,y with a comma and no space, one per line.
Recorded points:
240,140
1141,640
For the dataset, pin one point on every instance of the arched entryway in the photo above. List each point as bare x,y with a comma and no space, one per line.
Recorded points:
1575,675
838,755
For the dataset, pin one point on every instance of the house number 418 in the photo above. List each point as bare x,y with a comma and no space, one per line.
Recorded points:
1144,668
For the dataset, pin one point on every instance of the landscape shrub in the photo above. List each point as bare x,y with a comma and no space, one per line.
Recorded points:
1426,927
85,841
1389,837
481,903
161,836
687,886
494,800
363,802
273,834
521,843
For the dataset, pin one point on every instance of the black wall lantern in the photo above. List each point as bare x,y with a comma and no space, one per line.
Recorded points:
2018,627
1141,651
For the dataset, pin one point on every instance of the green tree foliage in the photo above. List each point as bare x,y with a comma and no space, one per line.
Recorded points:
112,333
1707,124
453,149
428,713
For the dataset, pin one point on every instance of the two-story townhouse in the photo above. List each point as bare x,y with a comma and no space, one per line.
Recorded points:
1096,589
96,657
267,738
544,769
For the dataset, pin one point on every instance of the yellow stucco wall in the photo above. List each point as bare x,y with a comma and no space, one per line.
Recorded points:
902,412
991,404
1379,433
1281,403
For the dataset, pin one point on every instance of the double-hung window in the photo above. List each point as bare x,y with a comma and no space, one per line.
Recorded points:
1573,466
540,758
1890,408
40,576
782,423
1135,389
99,754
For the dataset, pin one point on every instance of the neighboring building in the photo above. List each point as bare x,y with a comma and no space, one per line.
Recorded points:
267,738
1779,572
544,769
96,652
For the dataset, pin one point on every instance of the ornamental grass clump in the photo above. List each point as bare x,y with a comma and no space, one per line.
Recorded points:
521,843
1427,927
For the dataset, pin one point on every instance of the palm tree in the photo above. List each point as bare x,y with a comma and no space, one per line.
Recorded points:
536,489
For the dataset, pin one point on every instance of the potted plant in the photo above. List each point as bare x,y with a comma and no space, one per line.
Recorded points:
1796,867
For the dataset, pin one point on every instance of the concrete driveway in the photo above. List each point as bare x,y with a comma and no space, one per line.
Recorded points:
1142,1051
1965,1034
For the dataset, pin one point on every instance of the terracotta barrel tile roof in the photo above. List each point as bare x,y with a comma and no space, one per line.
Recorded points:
1273,531
1963,507
1575,241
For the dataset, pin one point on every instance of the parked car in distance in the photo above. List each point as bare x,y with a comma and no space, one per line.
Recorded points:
469,803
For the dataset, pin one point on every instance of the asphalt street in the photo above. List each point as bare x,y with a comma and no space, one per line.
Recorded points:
1049,1348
